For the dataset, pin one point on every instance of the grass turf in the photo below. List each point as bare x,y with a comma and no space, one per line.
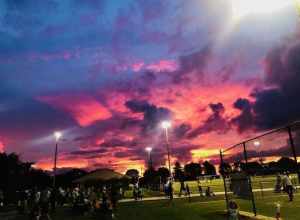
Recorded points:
197,209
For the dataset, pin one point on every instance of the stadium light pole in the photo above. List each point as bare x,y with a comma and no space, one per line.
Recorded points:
57,136
166,125
257,144
149,150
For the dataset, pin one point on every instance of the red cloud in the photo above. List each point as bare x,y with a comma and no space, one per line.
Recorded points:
159,66
163,65
1,147
84,109
136,67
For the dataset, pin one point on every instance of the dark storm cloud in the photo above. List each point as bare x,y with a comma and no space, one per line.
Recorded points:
281,151
245,120
89,152
24,117
102,131
118,143
153,115
183,151
278,105
274,107
181,130
215,122
194,63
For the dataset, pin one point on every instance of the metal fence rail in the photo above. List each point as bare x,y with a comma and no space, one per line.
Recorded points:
265,156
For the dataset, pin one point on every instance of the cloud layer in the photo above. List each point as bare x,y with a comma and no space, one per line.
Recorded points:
106,73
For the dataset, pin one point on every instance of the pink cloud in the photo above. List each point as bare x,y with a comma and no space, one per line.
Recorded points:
1,147
159,66
84,109
136,67
163,65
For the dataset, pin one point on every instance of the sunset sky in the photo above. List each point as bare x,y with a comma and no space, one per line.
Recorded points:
106,73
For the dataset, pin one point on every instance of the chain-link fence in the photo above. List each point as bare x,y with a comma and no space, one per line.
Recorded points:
261,169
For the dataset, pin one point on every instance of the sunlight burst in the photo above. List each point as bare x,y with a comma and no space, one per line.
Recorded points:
242,8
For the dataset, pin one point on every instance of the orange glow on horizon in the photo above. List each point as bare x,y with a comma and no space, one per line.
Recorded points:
204,154
48,164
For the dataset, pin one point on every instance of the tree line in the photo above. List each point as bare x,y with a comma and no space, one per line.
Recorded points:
16,175
284,164
190,171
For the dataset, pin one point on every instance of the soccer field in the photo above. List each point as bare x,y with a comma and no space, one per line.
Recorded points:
217,185
182,209
265,198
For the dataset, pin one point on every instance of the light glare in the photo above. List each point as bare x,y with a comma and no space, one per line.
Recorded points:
242,8
57,135
149,149
256,143
166,124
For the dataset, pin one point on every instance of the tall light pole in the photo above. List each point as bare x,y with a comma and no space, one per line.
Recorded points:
166,125
149,150
257,145
57,136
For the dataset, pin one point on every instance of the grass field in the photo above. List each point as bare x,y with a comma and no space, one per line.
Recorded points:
182,209
200,208
178,210
216,185
265,201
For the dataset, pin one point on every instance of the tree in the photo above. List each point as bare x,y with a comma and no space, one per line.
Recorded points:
209,168
225,169
163,173
178,173
66,179
287,164
133,173
252,167
151,177
18,175
192,171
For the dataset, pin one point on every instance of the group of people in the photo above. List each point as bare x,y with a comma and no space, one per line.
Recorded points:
184,188
284,183
36,203
137,192
168,188
39,203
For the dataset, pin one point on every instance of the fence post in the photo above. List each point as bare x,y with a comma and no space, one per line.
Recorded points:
293,150
224,179
249,180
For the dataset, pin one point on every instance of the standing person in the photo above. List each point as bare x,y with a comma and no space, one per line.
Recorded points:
52,200
22,201
104,199
209,192
93,199
114,196
44,203
182,188
136,191
233,211
287,184
277,215
200,190
1,200
188,192
278,183
170,189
